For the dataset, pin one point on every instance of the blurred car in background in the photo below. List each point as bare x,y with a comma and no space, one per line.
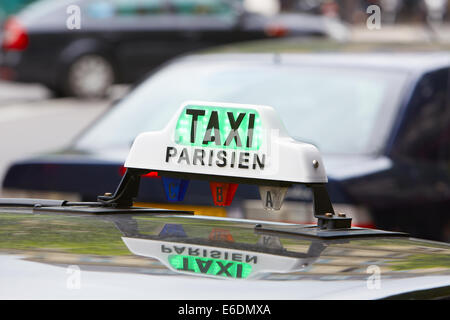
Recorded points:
118,41
382,122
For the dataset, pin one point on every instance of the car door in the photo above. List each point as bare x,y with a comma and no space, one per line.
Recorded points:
147,33
143,32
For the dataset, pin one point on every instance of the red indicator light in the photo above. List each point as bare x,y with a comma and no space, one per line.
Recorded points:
151,174
222,192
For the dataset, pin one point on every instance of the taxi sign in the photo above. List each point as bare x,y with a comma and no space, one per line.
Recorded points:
227,144
245,142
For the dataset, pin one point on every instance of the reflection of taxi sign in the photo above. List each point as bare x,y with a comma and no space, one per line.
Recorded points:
219,262
227,144
210,266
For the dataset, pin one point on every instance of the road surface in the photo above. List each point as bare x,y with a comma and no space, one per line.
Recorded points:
32,122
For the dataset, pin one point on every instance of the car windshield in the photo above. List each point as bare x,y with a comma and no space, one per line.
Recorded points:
340,109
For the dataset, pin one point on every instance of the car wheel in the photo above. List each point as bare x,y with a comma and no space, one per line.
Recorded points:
90,77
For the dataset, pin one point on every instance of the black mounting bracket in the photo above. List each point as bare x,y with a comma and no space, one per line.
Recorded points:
324,212
126,191
323,209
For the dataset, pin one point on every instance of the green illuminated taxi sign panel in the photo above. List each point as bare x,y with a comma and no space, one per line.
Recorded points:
210,266
226,128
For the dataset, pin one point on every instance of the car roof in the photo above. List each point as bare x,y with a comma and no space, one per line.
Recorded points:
143,246
418,62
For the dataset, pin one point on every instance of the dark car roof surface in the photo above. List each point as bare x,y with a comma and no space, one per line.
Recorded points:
37,249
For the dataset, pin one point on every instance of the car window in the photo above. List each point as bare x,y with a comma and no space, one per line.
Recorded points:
46,10
12,6
201,7
339,110
126,8
425,134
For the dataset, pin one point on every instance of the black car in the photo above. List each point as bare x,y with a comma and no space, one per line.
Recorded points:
50,253
82,47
